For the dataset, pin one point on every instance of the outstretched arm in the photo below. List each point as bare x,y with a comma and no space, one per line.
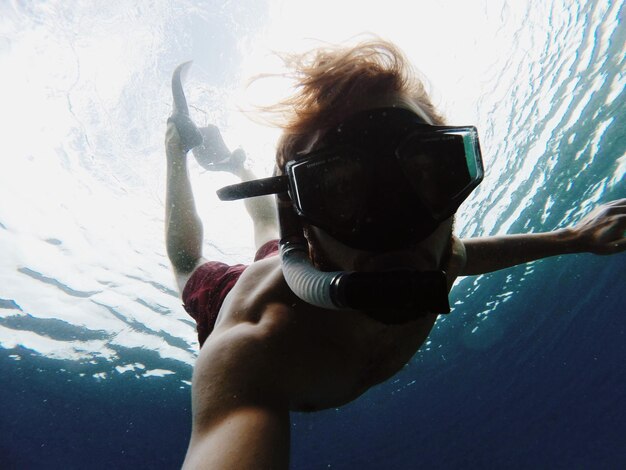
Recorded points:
239,395
601,232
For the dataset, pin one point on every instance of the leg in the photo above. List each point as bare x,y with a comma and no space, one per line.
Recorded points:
262,210
214,155
183,227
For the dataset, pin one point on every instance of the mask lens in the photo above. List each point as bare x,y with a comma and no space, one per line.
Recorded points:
442,166
387,182
330,191
363,199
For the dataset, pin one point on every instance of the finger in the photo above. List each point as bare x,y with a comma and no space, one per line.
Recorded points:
617,202
617,226
606,210
614,207
613,238
614,210
616,247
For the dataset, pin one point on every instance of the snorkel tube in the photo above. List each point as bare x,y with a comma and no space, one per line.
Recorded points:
189,134
390,297
309,284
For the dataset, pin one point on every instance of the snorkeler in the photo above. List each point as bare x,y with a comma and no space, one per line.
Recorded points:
368,179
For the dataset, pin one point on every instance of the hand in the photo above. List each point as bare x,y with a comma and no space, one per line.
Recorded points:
603,230
456,263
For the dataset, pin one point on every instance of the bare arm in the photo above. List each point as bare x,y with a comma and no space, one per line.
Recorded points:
253,437
489,254
601,232
240,410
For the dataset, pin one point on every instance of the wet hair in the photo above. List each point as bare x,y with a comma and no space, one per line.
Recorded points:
333,82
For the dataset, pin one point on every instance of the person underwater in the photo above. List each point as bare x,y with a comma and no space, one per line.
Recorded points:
368,179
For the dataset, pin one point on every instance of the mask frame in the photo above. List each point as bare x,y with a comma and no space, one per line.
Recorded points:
369,185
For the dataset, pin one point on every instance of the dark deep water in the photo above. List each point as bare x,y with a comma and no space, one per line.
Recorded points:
96,353
548,394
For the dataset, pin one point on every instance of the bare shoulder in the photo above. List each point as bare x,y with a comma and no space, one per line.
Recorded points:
260,291
266,273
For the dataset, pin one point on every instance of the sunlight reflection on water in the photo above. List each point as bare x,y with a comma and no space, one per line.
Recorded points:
84,276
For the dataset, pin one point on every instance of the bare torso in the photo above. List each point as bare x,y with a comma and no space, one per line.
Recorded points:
325,357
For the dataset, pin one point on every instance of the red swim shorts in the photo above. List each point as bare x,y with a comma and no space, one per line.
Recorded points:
208,286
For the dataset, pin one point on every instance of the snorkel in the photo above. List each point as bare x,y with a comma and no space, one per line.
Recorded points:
390,297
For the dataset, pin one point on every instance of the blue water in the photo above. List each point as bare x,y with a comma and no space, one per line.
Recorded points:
96,353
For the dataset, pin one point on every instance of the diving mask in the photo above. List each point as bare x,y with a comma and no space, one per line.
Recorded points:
381,179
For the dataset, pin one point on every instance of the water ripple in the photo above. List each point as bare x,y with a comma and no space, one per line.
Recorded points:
49,280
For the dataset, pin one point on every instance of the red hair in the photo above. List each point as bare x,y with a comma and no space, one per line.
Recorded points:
333,81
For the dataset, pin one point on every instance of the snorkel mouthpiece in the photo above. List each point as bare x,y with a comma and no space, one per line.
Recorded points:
389,297
190,136
395,296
